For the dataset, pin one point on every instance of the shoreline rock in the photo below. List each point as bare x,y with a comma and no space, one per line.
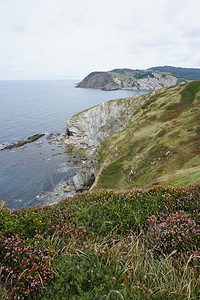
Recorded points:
30,139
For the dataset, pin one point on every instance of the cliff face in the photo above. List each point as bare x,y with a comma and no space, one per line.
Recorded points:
129,79
150,82
88,128
99,80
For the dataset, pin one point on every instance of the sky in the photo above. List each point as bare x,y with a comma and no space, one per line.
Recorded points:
68,39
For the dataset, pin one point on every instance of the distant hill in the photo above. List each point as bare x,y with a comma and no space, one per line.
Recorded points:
186,73
150,79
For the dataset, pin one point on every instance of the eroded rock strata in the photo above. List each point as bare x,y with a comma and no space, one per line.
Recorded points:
129,79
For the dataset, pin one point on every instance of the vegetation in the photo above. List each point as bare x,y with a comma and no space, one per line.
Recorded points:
138,244
160,145
186,73
144,75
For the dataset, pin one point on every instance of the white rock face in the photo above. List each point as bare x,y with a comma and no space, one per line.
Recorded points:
151,83
88,128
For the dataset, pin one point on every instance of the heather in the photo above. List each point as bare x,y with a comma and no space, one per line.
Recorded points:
105,244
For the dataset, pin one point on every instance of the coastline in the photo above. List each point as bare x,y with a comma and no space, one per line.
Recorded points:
26,172
86,130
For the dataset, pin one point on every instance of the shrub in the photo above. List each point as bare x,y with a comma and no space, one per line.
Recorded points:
175,231
25,267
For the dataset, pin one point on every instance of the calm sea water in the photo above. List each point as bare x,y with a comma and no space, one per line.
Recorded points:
28,177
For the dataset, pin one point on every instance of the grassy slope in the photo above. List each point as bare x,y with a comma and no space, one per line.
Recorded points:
161,143
87,247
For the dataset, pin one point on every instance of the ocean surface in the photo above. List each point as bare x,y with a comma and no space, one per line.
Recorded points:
32,176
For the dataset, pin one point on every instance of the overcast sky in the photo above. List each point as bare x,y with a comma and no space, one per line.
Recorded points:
63,39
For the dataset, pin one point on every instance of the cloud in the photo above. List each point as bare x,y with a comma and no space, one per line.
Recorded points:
65,39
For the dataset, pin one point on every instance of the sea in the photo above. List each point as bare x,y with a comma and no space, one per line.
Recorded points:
36,174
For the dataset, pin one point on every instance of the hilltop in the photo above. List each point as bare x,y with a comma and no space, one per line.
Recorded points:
149,79
185,73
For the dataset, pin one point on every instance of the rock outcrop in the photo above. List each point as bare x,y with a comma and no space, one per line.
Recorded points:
30,139
129,79
88,128
153,81
99,80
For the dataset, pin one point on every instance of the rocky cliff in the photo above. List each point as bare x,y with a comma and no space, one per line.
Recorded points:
129,79
99,80
87,129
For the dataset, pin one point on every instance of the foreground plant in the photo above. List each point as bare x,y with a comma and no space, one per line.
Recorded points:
25,266
175,231
122,268
139,244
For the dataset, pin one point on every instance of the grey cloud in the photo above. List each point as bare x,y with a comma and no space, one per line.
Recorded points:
70,38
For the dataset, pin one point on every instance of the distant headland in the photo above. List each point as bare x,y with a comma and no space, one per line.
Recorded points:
137,79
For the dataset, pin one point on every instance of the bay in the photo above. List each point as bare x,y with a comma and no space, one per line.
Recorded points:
32,176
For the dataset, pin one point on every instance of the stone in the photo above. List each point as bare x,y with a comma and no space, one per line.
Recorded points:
39,143
69,188
50,136
30,139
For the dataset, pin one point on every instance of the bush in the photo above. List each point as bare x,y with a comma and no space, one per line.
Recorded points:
25,267
175,231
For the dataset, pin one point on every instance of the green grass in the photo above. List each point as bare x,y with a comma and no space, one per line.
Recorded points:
161,138
189,92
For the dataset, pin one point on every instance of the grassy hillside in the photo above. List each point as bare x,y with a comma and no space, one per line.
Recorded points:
160,145
139,244
186,73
